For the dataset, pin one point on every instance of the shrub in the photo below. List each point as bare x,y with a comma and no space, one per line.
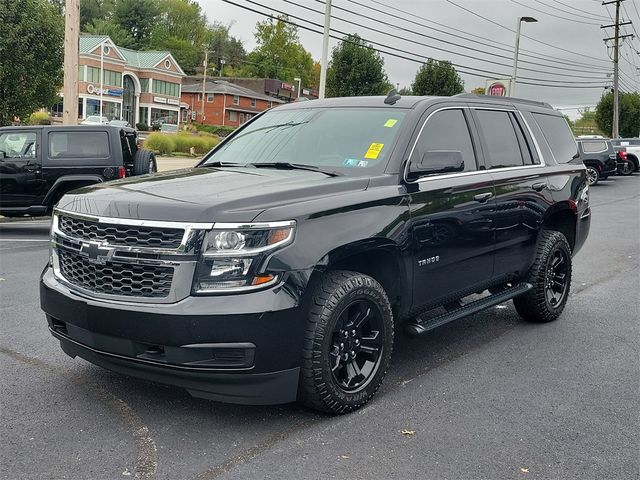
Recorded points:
160,143
200,143
39,118
155,128
219,130
143,127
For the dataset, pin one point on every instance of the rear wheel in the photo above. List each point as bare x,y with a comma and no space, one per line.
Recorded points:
627,168
550,276
348,343
592,175
144,162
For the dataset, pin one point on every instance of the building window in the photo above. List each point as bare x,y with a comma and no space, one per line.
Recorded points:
167,64
144,85
253,102
233,116
209,97
111,78
106,50
241,118
160,116
166,88
236,99
185,114
81,73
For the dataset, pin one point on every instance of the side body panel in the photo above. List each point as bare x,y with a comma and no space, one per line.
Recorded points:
21,182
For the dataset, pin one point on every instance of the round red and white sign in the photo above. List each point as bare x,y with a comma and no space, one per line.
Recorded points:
497,89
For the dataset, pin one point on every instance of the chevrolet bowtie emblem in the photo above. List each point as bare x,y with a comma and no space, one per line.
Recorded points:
96,253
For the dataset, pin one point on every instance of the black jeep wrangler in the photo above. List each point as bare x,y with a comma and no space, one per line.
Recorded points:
281,266
38,165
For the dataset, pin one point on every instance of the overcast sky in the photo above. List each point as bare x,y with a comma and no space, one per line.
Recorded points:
576,48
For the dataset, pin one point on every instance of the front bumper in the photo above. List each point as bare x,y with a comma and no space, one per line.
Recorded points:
235,348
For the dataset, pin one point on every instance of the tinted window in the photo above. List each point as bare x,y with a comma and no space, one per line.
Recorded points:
594,146
78,144
558,136
349,138
503,148
447,131
18,145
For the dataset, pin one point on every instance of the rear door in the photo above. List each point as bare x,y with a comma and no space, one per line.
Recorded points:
20,168
521,186
451,214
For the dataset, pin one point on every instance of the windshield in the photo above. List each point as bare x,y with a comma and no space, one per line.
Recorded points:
329,138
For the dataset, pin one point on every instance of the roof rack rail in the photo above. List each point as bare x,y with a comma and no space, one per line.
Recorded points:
513,99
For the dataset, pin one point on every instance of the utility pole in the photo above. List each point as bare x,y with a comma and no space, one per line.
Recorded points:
615,125
325,49
204,83
71,46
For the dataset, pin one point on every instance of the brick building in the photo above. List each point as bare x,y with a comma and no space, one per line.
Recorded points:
224,103
137,86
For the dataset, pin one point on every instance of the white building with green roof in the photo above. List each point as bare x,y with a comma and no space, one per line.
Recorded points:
136,86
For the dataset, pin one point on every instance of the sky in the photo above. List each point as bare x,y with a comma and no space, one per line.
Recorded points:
573,53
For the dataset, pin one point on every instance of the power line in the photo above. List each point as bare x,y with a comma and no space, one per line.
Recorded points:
553,14
493,44
574,9
526,36
386,52
563,69
373,29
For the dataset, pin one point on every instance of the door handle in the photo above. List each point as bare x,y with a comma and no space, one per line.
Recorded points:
483,197
538,187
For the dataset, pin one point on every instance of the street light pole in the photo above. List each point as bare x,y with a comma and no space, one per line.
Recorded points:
101,76
204,82
325,49
299,80
517,49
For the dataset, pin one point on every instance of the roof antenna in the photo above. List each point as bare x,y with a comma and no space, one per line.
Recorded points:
392,97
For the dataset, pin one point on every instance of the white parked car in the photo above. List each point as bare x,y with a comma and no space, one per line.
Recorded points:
94,120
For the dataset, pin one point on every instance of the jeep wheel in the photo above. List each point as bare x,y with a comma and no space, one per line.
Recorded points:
550,276
592,175
144,162
348,343
626,168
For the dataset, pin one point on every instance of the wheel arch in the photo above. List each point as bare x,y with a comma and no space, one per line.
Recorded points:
563,217
381,259
65,184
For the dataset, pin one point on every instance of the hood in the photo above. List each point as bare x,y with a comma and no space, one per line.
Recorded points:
206,194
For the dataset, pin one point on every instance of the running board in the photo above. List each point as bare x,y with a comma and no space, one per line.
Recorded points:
417,328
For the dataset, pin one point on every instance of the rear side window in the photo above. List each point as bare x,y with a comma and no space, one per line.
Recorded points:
78,144
17,145
558,136
595,146
503,143
447,130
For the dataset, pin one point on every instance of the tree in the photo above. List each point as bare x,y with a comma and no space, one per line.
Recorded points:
478,91
279,53
182,29
356,69
137,18
105,27
224,46
31,53
405,91
629,114
437,78
92,10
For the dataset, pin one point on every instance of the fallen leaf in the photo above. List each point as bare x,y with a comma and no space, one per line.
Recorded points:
408,432
344,456
126,472
524,470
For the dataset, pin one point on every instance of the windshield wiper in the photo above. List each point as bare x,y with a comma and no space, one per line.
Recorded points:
295,166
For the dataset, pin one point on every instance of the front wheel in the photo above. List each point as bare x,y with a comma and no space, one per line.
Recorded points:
348,343
550,276
592,175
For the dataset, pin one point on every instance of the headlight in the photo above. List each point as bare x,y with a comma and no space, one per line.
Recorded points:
233,254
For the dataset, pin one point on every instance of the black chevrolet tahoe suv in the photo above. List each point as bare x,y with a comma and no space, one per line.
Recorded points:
281,266
39,164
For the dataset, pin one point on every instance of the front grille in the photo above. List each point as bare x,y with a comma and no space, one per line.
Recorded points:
130,280
121,235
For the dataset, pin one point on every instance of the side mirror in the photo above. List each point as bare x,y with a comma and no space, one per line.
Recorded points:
437,161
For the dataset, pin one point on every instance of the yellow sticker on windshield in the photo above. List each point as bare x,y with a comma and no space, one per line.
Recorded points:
391,122
374,151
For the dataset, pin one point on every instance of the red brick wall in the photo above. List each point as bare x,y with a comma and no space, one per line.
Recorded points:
213,111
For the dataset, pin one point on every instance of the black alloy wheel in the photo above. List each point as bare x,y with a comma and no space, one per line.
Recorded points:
592,175
556,277
356,349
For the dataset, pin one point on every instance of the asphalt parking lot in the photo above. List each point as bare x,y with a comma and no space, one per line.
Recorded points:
487,397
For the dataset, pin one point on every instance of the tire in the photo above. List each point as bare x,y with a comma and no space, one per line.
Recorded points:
592,175
550,276
144,162
626,169
341,368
